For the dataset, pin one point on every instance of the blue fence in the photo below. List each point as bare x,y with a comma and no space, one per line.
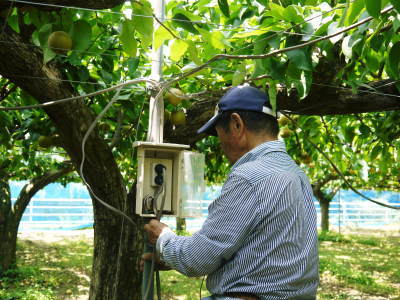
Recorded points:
66,208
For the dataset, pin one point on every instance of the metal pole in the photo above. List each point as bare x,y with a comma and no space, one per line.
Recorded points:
156,117
155,132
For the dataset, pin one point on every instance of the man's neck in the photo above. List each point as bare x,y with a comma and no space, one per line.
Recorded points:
255,140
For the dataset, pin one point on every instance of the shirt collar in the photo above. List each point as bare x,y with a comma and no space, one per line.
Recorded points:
260,150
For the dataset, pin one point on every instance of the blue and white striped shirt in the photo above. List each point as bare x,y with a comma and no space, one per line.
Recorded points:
260,236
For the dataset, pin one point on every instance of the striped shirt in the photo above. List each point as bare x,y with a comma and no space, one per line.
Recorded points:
260,236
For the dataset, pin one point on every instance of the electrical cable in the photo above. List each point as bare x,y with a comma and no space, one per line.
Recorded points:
158,214
88,132
294,26
56,102
201,286
167,19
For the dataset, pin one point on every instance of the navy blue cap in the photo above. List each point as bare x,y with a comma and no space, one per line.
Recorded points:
241,97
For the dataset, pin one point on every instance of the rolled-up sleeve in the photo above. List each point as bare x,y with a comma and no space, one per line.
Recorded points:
232,217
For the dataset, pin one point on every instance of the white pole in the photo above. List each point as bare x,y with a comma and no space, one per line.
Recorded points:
155,131
156,116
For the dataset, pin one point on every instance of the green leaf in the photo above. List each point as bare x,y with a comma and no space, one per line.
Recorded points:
394,59
193,53
133,64
256,32
107,77
348,43
290,14
373,62
239,74
224,7
5,120
396,4
353,12
375,152
184,22
377,42
216,39
259,68
248,13
373,7
301,59
349,134
44,33
81,34
160,36
275,68
143,24
263,2
48,55
260,44
276,11
304,84
127,38
178,49
333,28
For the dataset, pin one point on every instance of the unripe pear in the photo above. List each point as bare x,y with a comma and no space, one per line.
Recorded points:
60,42
175,96
285,132
178,117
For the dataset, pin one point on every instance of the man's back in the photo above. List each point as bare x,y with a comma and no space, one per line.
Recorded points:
271,200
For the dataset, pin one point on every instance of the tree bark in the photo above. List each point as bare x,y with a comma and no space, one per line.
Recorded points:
8,234
101,172
324,204
10,215
335,101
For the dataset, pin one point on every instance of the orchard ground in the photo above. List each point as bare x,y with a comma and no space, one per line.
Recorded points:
361,264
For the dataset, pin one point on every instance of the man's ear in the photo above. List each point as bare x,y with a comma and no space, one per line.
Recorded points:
236,123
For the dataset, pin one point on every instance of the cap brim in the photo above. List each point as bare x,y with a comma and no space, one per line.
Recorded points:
209,127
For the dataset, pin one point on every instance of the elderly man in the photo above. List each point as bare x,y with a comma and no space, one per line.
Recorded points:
259,240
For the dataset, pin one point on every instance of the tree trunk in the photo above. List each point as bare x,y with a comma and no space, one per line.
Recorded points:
324,200
117,251
115,269
8,229
10,215
324,214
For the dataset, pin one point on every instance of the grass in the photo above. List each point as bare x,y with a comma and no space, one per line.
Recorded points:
355,266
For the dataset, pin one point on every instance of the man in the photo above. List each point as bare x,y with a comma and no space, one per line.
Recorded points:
259,240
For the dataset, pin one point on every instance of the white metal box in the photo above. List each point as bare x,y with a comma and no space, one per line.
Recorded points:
183,176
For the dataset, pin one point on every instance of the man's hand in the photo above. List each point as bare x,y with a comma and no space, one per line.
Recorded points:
158,264
154,228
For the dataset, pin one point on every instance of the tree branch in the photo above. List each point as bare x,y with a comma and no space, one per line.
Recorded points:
339,172
36,184
276,52
166,28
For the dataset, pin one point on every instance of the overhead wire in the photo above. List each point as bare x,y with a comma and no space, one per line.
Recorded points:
294,26
153,17
60,101
129,82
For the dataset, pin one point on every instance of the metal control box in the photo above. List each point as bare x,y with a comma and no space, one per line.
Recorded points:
183,179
